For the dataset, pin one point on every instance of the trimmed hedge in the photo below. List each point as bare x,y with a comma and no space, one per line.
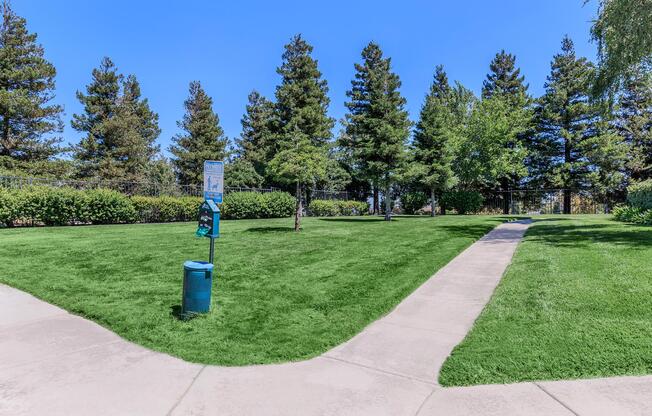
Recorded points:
639,194
330,208
68,206
464,202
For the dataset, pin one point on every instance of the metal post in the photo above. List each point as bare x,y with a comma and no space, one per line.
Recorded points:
212,251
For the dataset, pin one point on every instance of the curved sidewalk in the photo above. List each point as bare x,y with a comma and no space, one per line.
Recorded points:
55,363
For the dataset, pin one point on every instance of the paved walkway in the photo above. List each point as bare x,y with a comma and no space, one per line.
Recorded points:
54,363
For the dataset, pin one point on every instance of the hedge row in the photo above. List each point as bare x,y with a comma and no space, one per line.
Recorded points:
63,206
330,208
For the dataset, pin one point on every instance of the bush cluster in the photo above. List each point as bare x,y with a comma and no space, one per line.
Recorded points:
464,202
411,202
639,195
243,205
636,215
66,206
333,208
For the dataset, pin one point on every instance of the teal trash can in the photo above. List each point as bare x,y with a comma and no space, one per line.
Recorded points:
197,284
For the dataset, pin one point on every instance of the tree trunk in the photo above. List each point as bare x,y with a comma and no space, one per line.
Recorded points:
567,201
567,191
376,207
388,205
504,184
433,203
297,214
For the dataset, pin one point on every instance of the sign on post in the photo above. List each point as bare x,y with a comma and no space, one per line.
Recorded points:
214,180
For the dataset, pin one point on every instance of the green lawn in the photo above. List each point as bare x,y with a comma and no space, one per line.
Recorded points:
575,303
279,295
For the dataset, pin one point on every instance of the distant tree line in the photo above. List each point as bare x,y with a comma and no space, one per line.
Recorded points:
570,138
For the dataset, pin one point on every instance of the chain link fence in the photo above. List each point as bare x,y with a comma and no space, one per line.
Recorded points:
545,201
146,188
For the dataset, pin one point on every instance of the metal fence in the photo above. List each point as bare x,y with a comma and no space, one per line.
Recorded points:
545,201
145,188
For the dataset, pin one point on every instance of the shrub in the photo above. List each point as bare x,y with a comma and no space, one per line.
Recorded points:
104,206
323,208
639,194
331,208
464,202
243,205
411,202
165,208
7,207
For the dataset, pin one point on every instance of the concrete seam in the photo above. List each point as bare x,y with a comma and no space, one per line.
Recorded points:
419,380
185,392
423,403
556,399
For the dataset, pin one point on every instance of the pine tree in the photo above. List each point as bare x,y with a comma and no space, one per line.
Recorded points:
257,143
634,121
28,123
100,103
120,127
377,125
303,126
434,139
505,79
203,138
567,125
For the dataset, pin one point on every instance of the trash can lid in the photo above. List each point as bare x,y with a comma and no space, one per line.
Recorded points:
197,265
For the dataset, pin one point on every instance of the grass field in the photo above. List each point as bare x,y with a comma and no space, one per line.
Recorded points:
278,296
575,303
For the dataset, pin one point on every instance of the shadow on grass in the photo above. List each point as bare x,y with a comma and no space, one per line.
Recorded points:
355,219
584,235
176,312
265,230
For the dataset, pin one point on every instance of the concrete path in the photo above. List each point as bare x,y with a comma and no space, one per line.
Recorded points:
54,363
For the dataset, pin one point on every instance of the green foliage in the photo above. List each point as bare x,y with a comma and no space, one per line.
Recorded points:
203,138
105,206
464,202
634,120
257,144
623,31
27,122
240,172
120,127
491,149
435,138
639,195
632,214
252,205
505,79
411,202
7,207
333,208
165,208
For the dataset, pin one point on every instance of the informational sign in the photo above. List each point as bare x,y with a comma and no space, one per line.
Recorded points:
214,180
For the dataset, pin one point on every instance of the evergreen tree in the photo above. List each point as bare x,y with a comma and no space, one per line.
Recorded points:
28,123
303,127
634,121
120,127
257,143
377,125
434,139
505,79
569,126
203,138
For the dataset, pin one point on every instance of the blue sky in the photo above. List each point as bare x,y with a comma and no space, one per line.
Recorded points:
233,47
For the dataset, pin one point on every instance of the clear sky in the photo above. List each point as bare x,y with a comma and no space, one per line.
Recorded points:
235,46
